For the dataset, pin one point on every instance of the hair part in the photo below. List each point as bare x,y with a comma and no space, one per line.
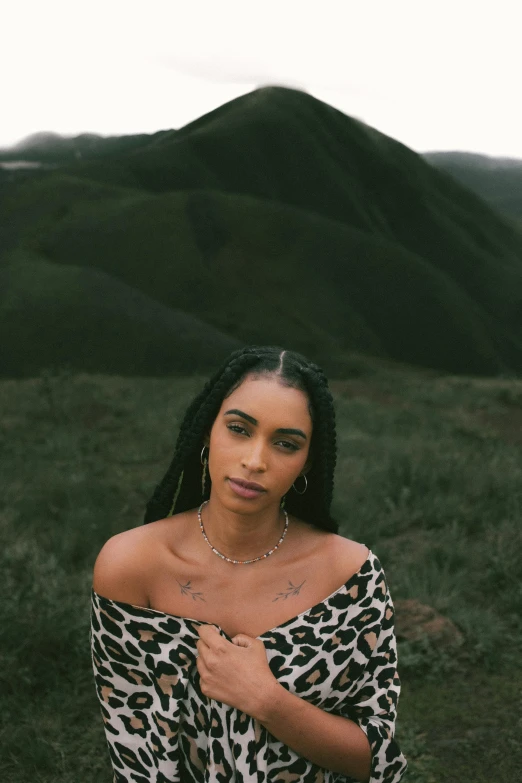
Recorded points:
180,488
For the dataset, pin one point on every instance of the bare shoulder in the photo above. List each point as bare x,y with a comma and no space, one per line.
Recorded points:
343,556
119,568
349,556
125,563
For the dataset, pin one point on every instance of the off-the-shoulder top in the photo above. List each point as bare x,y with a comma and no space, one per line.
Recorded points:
339,655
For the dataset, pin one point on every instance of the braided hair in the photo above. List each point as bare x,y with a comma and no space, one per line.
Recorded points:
180,489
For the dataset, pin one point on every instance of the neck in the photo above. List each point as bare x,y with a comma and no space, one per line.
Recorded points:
241,536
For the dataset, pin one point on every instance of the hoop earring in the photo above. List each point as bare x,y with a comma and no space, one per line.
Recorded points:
204,462
304,490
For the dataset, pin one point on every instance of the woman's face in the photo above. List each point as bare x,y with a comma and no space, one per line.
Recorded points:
259,444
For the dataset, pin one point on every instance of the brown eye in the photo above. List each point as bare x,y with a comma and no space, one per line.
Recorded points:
237,428
287,445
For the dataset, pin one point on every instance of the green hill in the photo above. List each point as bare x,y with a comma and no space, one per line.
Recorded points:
322,299
276,218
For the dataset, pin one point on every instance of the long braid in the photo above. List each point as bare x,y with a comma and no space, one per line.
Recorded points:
180,488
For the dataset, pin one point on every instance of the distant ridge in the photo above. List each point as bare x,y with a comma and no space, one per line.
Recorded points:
277,218
497,180
47,147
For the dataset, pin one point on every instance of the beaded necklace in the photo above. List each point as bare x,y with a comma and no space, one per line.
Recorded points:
241,562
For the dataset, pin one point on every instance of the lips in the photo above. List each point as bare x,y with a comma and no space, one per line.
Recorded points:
248,484
246,489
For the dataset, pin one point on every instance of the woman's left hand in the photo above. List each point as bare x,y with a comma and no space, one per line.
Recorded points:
236,673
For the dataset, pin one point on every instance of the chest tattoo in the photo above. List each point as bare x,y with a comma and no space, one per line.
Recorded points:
186,589
197,595
290,591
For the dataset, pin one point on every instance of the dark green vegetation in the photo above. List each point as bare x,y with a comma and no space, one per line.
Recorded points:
497,180
429,476
274,218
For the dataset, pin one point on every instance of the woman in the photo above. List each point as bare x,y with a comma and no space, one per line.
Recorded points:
235,636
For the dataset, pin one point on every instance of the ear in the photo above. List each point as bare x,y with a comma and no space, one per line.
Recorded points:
206,440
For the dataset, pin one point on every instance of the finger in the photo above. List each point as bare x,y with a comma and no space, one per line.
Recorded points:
242,640
203,650
208,633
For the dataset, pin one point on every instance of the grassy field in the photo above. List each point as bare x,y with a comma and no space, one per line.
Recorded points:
429,476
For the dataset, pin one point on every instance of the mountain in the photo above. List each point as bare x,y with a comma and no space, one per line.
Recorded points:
497,180
276,218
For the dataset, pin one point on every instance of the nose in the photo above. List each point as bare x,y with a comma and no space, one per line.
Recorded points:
254,456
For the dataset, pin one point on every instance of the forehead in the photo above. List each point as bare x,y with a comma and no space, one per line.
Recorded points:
266,399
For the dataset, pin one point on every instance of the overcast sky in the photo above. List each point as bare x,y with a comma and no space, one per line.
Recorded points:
434,75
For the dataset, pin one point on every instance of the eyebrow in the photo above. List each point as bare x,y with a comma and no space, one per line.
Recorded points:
281,430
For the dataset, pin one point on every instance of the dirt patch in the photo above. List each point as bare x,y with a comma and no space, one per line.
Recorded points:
415,621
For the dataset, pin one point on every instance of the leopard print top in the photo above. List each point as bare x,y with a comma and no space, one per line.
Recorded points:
339,655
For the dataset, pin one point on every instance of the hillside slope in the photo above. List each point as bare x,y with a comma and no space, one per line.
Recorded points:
298,275
63,315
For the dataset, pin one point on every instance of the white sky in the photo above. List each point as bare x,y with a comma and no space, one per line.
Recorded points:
434,75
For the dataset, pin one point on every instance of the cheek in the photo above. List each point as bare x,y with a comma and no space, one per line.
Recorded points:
288,466
221,449
300,463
